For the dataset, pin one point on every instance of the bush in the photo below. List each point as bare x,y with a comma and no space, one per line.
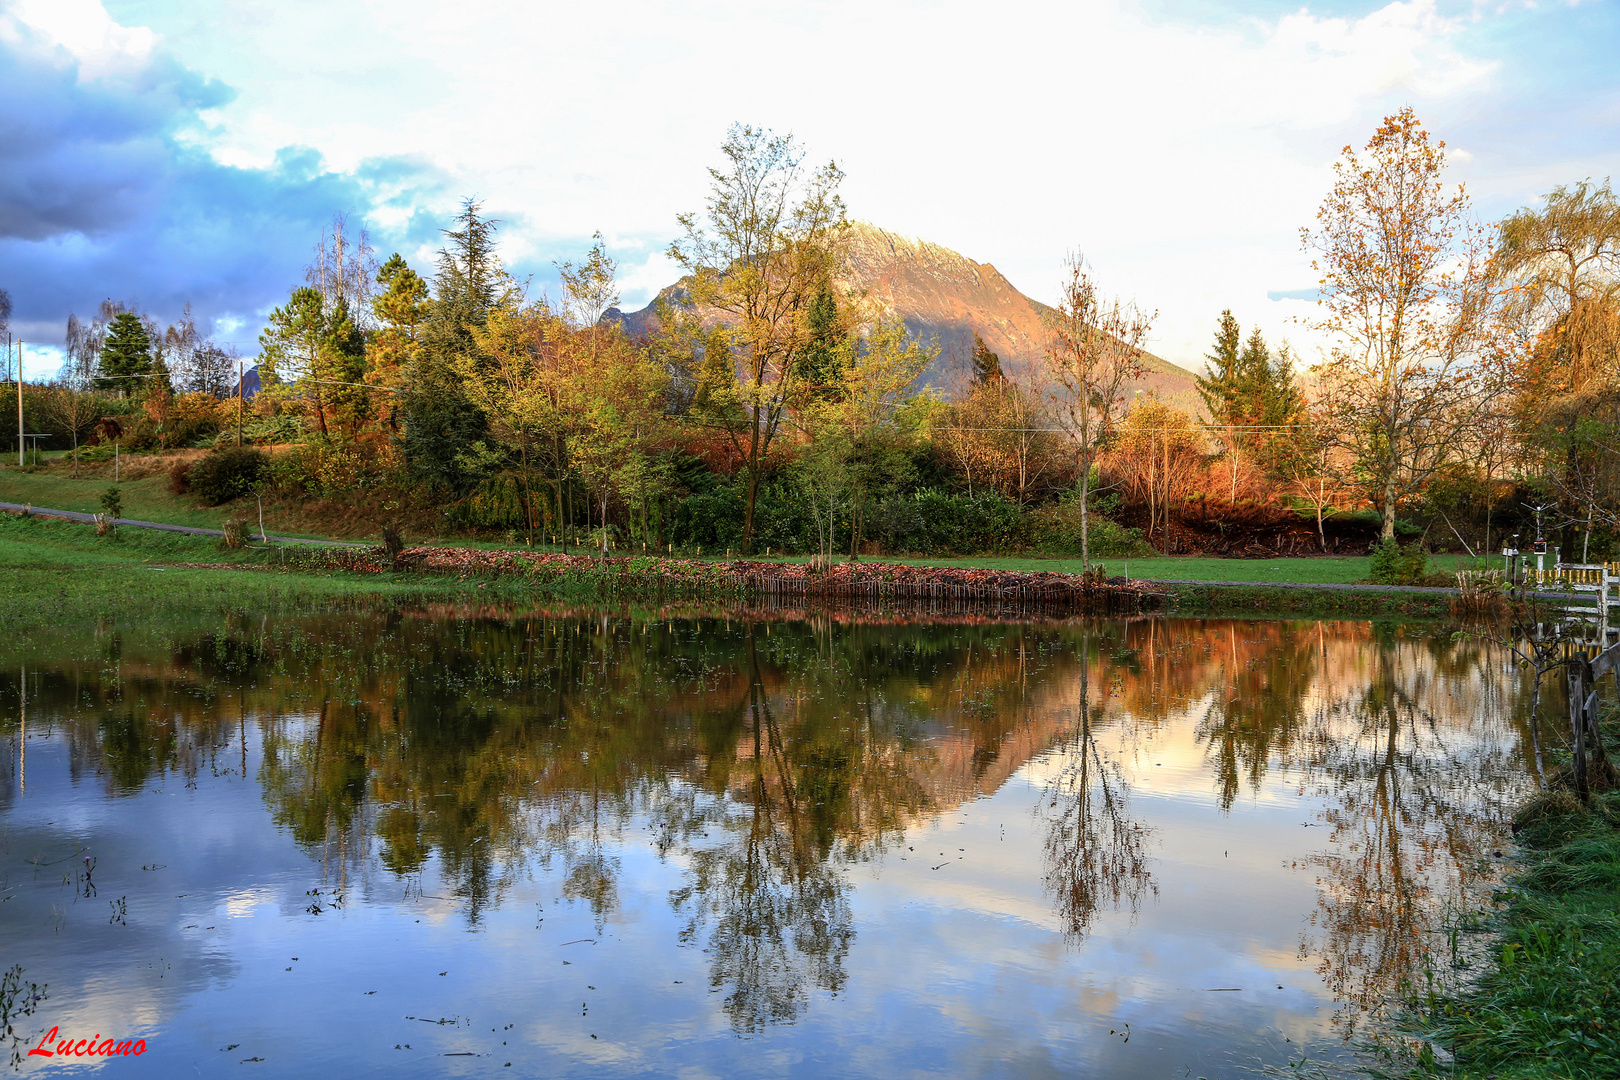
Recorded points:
228,474
1056,531
1393,564
235,533
112,503
933,522
180,478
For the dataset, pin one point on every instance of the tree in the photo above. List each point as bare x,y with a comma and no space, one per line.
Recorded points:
441,423
1160,453
344,269
126,354
1407,299
1221,391
986,364
859,450
1563,262
1312,468
826,353
514,379
769,241
400,310
290,349
1093,353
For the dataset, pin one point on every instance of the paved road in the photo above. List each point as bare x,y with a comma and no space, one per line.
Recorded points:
74,515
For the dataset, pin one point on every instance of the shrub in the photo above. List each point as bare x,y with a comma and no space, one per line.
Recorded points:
180,478
1056,531
112,503
228,474
1394,564
235,533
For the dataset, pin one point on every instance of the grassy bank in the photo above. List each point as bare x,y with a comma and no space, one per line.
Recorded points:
55,570
1370,603
147,497
1548,1005
50,563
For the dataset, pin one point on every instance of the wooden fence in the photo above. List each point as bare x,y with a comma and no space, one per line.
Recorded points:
1586,744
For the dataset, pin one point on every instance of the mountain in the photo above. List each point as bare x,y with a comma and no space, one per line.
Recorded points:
948,297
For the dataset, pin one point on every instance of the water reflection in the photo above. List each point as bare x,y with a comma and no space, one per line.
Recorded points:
775,764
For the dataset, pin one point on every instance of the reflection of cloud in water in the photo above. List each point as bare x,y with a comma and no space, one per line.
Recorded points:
1153,777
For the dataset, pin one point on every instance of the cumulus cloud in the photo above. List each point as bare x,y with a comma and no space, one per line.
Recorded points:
105,192
1180,146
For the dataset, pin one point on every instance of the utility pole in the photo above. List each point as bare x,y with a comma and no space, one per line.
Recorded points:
238,398
19,405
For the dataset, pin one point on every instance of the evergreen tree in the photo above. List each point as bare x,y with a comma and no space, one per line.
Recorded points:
716,393
826,355
126,353
1253,378
986,364
341,365
441,423
1220,390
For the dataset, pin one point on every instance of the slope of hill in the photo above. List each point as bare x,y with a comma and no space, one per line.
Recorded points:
948,297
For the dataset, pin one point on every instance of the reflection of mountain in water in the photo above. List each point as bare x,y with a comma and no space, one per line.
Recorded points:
771,755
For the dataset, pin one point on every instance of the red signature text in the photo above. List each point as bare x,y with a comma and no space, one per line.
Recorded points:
96,1047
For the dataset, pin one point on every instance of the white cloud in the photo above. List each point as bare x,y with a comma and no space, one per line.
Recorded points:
1181,157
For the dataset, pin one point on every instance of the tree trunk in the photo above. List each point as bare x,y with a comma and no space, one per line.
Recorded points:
754,466
1388,530
1085,497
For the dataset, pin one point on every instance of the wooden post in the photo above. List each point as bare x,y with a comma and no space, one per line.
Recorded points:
19,405
1577,723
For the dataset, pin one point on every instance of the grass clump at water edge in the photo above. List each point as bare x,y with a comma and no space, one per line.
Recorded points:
1547,1004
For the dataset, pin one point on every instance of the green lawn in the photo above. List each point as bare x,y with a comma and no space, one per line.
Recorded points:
1327,570
146,499
149,499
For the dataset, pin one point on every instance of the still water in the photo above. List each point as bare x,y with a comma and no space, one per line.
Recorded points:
456,841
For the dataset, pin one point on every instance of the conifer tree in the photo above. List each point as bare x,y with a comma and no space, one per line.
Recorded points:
126,354
986,364
826,352
1219,390
441,423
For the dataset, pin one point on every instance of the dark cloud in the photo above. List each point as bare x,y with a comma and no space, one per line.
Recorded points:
102,196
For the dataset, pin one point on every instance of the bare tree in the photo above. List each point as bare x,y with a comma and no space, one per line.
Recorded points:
1093,353
345,268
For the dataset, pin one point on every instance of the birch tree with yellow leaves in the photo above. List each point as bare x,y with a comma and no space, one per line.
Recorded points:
1408,302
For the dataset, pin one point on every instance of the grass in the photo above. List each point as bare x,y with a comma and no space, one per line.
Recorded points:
148,498
1549,1003
55,571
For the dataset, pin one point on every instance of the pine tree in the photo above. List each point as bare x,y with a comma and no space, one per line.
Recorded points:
127,353
1220,390
1253,378
441,424
716,393
986,364
826,355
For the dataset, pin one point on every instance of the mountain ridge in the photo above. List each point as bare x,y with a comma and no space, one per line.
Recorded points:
944,295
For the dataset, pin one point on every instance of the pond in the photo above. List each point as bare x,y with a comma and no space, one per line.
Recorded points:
447,841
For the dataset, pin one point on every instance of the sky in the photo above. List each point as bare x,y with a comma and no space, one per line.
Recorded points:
165,152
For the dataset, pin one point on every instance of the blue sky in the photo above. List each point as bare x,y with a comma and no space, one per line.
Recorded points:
168,152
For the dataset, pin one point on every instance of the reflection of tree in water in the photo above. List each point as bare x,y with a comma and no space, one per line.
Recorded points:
1257,713
1095,854
776,908
1415,804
